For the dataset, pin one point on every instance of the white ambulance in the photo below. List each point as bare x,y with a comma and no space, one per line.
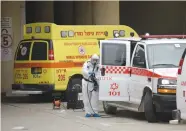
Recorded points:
140,75
180,113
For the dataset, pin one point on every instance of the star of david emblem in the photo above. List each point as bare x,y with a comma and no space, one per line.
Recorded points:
114,86
81,50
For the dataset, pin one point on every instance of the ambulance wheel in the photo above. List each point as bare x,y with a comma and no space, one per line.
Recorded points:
75,85
109,109
149,108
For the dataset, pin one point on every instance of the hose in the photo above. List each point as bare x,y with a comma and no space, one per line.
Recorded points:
89,97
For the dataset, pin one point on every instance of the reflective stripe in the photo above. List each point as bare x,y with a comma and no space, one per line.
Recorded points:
49,65
134,71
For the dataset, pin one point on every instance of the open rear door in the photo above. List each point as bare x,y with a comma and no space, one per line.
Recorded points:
114,62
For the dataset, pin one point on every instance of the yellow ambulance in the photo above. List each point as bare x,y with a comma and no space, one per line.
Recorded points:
50,56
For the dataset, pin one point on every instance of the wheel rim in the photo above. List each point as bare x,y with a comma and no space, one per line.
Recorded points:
77,87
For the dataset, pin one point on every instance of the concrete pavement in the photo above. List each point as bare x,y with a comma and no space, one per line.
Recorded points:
41,117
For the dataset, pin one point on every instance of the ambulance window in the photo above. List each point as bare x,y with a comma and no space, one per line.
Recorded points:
114,54
23,51
133,44
139,57
39,51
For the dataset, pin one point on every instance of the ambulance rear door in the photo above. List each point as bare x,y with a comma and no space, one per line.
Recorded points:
114,77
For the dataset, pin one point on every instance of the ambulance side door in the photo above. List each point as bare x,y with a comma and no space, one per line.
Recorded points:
114,62
181,88
138,80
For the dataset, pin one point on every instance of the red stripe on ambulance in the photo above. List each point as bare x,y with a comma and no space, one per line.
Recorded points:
183,83
134,71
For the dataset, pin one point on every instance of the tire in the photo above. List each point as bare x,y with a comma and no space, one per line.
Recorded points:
75,85
149,108
109,109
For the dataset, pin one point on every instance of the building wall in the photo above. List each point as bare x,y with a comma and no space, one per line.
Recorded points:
97,12
105,12
155,17
44,11
64,12
39,11
83,12
16,11
86,12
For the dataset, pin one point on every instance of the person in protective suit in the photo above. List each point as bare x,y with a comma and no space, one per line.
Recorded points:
90,86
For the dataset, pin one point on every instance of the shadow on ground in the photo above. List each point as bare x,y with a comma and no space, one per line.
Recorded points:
126,114
162,117
27,99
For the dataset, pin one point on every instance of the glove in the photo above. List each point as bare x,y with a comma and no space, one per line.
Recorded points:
91,73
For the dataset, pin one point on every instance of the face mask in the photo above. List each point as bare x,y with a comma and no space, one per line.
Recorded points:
94,61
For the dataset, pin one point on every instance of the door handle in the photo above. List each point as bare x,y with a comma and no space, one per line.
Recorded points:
130,72
102,71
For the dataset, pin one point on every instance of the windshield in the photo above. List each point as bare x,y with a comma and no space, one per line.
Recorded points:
165,55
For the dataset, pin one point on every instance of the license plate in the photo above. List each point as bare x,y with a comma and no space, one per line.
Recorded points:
36,70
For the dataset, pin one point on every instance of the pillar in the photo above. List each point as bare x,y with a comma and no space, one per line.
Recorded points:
83,12
14,10
105,12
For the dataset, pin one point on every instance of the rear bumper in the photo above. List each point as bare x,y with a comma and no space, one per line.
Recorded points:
32,88
164,103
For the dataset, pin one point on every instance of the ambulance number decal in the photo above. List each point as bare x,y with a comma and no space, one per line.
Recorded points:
114,90
61,74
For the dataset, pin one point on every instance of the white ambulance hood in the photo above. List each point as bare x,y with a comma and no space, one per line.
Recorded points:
170,72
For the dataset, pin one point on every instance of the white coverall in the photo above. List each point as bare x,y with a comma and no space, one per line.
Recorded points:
90,95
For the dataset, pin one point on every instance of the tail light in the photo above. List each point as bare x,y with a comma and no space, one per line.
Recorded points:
181,63
51,54
51,51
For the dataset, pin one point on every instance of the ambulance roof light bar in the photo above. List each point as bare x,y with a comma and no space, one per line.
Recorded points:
162,36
